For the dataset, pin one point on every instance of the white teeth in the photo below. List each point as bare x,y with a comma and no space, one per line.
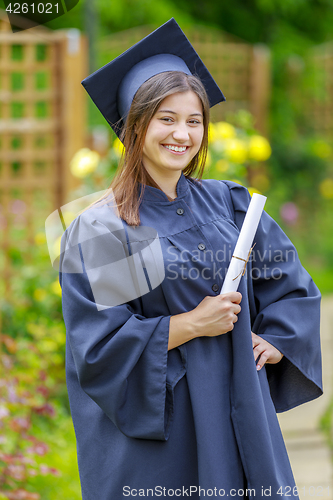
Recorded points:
179,149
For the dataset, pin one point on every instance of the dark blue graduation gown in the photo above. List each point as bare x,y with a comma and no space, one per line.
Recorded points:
199,415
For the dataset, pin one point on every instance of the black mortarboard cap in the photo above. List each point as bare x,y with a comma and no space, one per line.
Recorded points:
113,86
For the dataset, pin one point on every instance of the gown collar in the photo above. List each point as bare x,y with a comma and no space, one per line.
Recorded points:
154,194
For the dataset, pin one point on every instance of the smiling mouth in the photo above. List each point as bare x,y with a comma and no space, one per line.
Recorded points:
175,149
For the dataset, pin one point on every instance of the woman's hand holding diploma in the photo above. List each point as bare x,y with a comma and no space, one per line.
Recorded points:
213,316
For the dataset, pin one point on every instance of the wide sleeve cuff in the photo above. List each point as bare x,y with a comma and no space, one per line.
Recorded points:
121,357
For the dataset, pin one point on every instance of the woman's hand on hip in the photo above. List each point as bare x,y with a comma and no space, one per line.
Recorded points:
265,351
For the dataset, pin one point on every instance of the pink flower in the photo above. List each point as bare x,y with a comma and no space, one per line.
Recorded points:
19,424
44,469
54,471
42,375
45,409
17,472
21,494
42,389
41,449
289,213
4,412
18,207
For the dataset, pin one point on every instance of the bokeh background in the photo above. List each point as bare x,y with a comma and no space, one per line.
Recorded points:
274,62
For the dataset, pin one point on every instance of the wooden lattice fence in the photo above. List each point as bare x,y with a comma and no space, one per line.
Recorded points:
241,70
42,124
319,103
309,89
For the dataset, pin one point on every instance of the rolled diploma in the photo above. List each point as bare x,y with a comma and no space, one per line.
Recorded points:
244,243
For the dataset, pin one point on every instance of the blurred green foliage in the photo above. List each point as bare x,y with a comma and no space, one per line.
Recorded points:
37,444
288,24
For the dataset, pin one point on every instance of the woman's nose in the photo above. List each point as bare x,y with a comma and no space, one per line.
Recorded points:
180,132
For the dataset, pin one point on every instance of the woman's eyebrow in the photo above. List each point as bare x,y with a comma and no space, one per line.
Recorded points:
174,113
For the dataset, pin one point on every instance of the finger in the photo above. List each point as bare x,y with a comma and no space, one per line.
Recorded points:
255,342
234,297
257,351
263,358
238,298
237,309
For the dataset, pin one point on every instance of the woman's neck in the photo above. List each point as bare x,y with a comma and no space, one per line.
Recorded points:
169,188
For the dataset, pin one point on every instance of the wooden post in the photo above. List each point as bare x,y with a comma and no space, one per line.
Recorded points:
260,85
74,68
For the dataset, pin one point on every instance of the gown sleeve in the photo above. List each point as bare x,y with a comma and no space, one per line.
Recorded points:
285,309
120,356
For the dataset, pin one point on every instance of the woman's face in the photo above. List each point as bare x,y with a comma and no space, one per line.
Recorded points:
174,135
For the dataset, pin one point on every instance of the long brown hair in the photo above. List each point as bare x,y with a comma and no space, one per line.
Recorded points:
130,172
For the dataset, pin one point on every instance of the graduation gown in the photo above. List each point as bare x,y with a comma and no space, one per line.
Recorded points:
153,423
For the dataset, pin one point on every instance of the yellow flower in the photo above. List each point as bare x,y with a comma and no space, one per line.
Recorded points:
84,162
222,165
236,150
326,188
40,238
208,159
39,294
252,190
118,147
212,135
56,288
220,131
48,345
225,131
259,148
322,149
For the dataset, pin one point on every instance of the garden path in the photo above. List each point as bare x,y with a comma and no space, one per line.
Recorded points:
309,454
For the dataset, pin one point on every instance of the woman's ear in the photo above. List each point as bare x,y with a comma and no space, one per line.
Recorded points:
138,124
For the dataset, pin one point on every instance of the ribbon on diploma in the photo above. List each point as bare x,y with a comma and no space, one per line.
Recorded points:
243,271
243,248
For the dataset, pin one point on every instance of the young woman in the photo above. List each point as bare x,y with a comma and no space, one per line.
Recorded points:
171,393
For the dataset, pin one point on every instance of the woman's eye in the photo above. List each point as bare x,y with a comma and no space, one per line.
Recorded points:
167,119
